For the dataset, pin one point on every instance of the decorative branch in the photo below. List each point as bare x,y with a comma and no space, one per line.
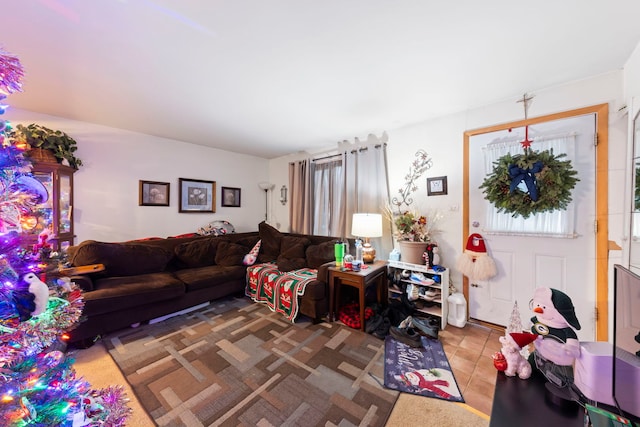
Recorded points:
420,165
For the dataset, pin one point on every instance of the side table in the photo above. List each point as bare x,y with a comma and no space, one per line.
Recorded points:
372,274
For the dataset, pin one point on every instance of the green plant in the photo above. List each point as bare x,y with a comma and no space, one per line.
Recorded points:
59,143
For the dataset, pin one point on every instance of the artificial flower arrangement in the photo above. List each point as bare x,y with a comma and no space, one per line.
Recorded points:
414,227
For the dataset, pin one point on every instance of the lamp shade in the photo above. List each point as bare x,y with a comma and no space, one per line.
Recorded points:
266,185
366,225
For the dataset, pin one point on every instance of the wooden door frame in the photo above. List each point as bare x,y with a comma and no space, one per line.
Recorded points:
602,202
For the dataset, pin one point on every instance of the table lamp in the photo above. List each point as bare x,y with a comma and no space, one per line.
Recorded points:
367,225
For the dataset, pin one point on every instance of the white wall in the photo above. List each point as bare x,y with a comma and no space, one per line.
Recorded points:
106,186
442,139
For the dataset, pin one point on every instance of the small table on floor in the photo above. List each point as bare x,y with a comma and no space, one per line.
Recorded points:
371,274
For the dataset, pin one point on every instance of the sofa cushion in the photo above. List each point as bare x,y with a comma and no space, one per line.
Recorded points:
197,253
230,254
206,277
248,241
292,253
122,259
320,254
271,238
119,293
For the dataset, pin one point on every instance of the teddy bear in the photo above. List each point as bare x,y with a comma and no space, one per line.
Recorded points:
512,344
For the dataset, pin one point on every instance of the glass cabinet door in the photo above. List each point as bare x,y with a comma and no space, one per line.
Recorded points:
57,212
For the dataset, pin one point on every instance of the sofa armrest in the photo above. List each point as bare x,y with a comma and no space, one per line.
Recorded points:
83,282
323,271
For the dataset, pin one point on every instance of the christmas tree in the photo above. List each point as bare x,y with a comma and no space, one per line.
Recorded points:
38,386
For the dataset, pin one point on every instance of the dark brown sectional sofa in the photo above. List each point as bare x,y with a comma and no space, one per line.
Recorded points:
147,279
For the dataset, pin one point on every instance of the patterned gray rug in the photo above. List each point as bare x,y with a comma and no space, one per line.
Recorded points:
235,362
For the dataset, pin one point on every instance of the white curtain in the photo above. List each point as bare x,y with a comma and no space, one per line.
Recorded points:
350,181
558,223
368,190
328,196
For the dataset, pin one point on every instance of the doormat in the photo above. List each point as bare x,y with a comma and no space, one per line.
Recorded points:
420,370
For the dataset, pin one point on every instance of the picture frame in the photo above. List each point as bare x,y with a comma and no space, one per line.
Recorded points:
196,196
437,186
153,193
230,197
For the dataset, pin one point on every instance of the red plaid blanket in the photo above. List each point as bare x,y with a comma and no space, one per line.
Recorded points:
279,290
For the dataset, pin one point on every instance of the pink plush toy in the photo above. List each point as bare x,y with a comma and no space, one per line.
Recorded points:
511,346
252,256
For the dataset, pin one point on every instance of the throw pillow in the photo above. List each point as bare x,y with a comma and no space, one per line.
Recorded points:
292,253
122,259
293,246
230,254
320,254
271,238
197,253
217,228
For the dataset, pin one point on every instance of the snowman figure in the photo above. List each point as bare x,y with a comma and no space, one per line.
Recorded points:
557,344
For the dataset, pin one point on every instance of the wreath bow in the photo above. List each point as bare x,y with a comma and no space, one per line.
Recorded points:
519,174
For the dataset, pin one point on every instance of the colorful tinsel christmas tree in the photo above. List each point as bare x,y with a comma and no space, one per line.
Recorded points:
38,386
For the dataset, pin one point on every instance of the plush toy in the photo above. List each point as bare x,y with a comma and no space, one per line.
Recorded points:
512,344
41,291
252,256
554,321
474,262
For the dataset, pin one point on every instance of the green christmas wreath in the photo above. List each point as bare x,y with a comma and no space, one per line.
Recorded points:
529,183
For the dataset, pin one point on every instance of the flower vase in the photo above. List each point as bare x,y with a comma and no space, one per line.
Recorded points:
412,252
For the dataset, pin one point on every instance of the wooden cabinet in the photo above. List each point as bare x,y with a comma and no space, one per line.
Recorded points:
425,304
58,209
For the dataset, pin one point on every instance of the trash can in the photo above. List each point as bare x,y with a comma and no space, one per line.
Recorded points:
457,310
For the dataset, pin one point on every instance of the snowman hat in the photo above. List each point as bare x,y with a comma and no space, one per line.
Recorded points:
564,305
522,339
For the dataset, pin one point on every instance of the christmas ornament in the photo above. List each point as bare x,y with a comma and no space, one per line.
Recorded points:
512,344
474,262
499,361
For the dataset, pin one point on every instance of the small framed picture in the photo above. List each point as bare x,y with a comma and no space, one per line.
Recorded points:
197,195
231,197
437,186
153,193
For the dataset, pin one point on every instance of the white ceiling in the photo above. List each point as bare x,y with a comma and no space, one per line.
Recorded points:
272,77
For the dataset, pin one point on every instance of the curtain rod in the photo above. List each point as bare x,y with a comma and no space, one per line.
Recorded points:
355,150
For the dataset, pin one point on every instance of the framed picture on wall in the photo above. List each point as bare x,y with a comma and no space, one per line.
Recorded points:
437,186
230,197
153,193
197,195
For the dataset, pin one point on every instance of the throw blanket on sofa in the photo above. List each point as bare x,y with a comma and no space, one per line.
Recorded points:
279,290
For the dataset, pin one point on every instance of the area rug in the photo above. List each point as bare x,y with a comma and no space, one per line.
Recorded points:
420,370
235,362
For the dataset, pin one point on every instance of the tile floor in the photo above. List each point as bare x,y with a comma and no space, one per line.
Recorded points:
469,351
